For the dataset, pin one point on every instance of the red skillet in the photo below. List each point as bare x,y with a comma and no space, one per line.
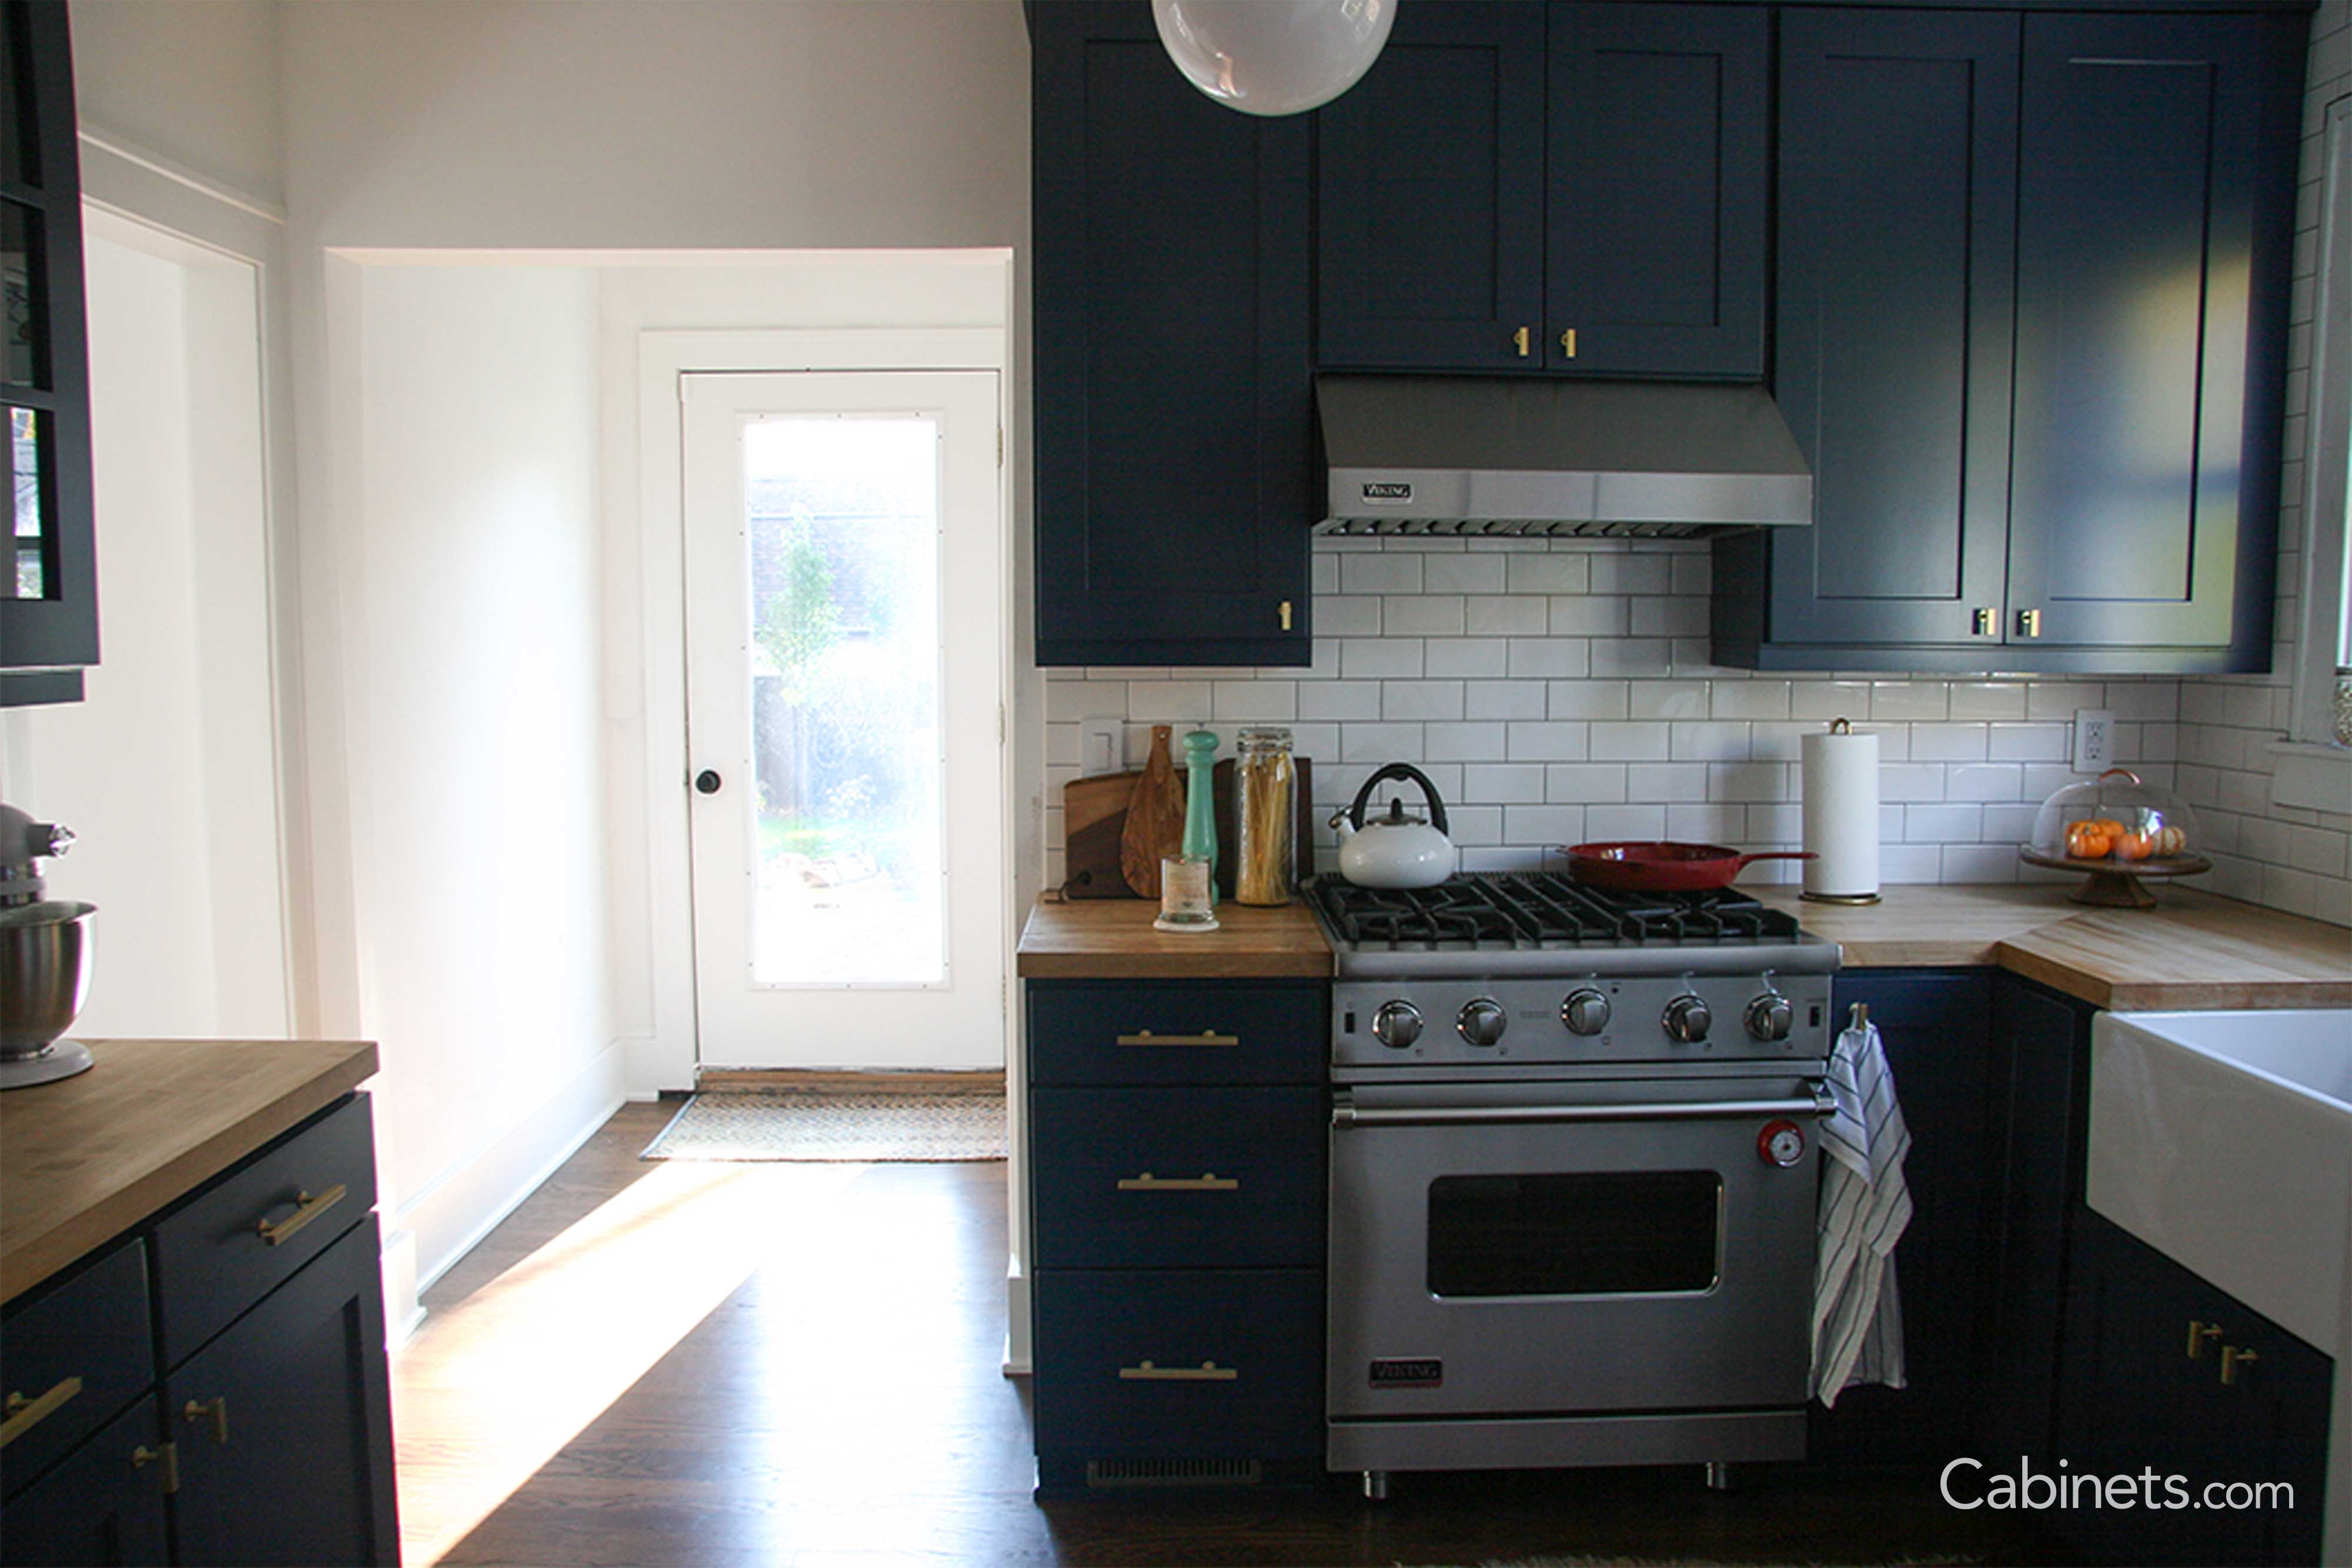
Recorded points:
1664,867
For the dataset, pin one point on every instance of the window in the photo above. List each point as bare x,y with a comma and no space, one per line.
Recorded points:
2323,701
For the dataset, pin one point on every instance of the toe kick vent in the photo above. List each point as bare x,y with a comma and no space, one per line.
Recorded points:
1174,1472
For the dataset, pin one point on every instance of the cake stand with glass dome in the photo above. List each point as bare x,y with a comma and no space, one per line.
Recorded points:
2120,831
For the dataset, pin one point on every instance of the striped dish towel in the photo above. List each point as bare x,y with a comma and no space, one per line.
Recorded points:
1865,1206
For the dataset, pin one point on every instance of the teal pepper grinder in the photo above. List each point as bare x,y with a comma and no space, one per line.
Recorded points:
1200,803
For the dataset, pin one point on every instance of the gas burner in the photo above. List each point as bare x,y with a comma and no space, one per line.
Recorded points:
1518,909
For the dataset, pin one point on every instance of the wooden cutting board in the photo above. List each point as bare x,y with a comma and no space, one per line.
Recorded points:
1093,819
1155,818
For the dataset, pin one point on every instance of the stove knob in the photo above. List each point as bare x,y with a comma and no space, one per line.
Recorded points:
1396,1025
1586,1011
1687,1020
1482,1023
1769,1017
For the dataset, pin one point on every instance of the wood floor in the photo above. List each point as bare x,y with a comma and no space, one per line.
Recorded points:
664,1364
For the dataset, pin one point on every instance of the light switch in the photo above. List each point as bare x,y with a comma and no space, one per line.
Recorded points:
1100,741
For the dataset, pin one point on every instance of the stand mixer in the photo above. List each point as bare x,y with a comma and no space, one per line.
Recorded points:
44,958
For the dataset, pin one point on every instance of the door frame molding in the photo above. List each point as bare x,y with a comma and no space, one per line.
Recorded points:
664,355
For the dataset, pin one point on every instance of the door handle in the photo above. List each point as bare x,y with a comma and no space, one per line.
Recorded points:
308,1207
708,781
24,1414
215,1410
1207,1181
1347,1114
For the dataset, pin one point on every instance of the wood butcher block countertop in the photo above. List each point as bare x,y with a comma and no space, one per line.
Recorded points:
88,1157
2195,950
1112,939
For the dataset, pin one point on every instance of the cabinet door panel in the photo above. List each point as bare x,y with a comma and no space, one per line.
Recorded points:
1655,205
1173,418
2153,198
1430,216
87,1344
1892,366
305,1473
99,1507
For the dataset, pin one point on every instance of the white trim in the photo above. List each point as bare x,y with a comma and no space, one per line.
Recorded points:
663,356
2311,777
2329,453
98,139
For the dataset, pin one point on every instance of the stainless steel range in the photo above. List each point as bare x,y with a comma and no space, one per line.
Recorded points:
1573,1176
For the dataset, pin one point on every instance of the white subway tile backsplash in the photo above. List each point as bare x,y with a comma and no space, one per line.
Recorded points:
1075,700
1948,743
1988,699
1911,700
1380,742
1169,702
1606,824
1670,618
1584,783
1267,702
1382,573
1339,699
1633,656
1910,781
2030,742
1635,574
1826,700
1421,699
1477,741
1462,574
1348,615
1984,782
1709,742
1587,699
1503,699
1631,741
1747,781
1672,782
1549,573
1548,741
1548,658
1708,824
1456,657
1510,784
1979,863
1506,615
1580,615
1943,824
2059,699
1667,699
1422,615
1751,699
1373,658
1544,825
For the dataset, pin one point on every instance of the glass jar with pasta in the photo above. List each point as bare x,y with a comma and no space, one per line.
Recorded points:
1266,784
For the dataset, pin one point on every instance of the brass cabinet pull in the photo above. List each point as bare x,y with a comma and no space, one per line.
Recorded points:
312,1207
2234,1358
1207,1181
1206,1037
216,1408
1987,618
2199,1333
167,1454
2029,623
24,1413
1568,342
1519,342
1207,1372
1285,616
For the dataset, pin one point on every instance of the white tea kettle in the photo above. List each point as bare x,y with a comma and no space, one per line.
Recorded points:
1394,851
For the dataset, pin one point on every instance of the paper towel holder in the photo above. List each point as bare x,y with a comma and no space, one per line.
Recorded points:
1840,726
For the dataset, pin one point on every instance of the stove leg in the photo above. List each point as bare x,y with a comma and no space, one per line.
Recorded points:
1376,1486
1718,1476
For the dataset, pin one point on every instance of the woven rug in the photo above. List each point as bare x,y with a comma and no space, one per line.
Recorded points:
782,1125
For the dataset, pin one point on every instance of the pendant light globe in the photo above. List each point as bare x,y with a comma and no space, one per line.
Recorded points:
1273,56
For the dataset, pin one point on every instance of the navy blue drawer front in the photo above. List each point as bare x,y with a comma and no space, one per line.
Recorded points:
1195,1031
1211,1364
248,1233
72,1357
1226,1177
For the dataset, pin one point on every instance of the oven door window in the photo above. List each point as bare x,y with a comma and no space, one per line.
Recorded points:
1603,1233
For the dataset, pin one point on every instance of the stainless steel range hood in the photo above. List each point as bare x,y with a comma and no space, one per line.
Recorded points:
1491,454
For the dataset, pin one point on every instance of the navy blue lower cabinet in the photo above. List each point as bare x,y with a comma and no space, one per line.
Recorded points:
1176,1193
1173,412
2146,1345
102,1507
1934,1026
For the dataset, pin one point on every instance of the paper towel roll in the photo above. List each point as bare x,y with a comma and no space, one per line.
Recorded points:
1841,808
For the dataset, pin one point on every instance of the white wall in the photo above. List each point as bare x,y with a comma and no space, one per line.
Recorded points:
168,770
194,82
466,441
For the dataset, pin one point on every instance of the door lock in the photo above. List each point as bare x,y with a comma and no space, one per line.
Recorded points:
706,781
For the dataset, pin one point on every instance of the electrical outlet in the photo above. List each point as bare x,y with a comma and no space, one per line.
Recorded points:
1101,745
2095,739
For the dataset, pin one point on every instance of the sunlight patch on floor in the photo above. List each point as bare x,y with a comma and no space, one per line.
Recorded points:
490,1389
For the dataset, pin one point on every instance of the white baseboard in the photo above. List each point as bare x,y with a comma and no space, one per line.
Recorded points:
401,1315
443,1223
1017,1346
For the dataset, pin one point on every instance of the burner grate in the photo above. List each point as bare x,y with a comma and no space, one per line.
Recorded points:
1539,909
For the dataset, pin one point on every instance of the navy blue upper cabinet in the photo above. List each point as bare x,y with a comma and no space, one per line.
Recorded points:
2031,331
48,596
1430,202
2154,218
1571,187
1899,202
1173,428
1655,198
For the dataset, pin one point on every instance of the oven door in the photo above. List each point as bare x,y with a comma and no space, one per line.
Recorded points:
1552,1248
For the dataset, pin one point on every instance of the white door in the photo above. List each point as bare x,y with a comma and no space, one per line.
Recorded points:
844,676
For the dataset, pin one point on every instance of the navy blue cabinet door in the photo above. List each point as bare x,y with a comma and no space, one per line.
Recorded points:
1892,354
1430,196
2155,209
101,1506
1173,419
1656,190
49,585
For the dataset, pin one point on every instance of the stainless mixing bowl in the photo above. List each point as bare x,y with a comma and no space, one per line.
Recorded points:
44,972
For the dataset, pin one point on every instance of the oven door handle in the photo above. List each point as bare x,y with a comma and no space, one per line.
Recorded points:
1347,1114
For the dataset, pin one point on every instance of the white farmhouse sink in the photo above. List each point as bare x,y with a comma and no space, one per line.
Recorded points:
2224,1140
